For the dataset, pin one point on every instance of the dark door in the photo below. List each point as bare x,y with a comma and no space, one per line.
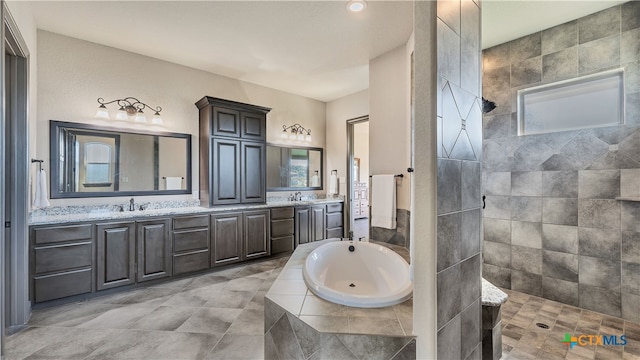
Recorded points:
154,249
256,233
115,254
253,172
302,222
226,122
226,238
318,222
226,171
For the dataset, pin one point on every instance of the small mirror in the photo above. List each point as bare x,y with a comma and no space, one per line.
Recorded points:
293,168
94,161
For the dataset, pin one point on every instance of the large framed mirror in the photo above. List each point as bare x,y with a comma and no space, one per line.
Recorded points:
294,168
94,161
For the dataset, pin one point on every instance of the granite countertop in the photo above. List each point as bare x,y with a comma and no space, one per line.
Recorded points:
70,215
491,295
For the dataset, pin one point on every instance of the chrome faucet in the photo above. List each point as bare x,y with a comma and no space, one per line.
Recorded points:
132,205
350,235
298,196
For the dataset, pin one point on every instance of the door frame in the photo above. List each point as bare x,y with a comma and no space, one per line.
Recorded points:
15,135
350,175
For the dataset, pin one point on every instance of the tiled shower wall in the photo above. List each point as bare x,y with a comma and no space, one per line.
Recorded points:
552,225
459,134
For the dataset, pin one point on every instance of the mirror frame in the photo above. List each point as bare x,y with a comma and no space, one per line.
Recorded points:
293,146
54,156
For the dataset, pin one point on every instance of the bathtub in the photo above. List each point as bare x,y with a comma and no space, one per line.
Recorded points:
369,276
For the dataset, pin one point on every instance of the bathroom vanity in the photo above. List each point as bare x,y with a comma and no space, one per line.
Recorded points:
86,253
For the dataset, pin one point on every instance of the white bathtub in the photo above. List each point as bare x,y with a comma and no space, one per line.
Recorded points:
370,276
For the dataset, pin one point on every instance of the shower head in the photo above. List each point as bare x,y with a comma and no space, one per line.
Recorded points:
488,106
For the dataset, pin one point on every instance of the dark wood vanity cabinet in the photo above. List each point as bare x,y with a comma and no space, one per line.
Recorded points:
282,226
226,238
239,236
256,230
115,255
190,243
232,152
310,223
154,249
61,261
335,221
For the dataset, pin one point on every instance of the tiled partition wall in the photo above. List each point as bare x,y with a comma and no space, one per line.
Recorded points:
459,127
552,226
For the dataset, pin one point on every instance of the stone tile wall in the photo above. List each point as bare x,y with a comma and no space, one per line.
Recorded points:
399,235
459,138
552,225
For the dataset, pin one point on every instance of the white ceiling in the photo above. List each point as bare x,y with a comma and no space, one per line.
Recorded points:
312,48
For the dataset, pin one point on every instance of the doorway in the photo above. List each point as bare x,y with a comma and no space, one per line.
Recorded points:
358,176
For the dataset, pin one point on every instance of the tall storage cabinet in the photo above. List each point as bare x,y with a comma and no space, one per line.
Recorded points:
232,152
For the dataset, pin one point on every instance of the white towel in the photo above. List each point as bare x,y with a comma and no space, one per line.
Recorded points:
383,201
173,183
333,184
41,198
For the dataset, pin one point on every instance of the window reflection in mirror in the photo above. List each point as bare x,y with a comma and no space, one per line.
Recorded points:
293,168
99,161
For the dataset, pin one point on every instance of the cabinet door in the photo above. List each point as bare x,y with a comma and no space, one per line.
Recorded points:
225,173
154,249
253,126
253,172
226,238
256,233
226,122
318,225
302,221
115,254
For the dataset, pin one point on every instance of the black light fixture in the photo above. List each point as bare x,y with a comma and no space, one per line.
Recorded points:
297,132
129,107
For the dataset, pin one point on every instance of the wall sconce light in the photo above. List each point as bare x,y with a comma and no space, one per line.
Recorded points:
297,132
129,107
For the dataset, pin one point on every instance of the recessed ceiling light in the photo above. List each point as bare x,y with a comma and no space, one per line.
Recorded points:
356,5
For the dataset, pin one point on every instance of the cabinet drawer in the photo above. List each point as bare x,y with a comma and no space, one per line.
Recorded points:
187,222
334,233
190,240
57,286
331,208
282,213
281,228
334,220
62,233
281,244
190,262
62,257
356,204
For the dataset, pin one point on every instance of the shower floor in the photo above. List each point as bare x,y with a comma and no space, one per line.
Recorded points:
523,339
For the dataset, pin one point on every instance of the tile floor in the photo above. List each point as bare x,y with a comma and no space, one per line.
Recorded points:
522,339
221,316
212,316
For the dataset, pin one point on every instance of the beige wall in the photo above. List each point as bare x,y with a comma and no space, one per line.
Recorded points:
338,112
389,121
73,73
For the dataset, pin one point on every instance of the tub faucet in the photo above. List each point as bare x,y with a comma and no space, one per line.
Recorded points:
132,205
350,235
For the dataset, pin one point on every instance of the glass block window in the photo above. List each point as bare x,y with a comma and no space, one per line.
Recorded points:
589,101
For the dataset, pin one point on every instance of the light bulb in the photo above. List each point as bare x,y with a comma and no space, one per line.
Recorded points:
308,137
156,119
102,112
140,117
121,114
301,137
284,135
293,136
